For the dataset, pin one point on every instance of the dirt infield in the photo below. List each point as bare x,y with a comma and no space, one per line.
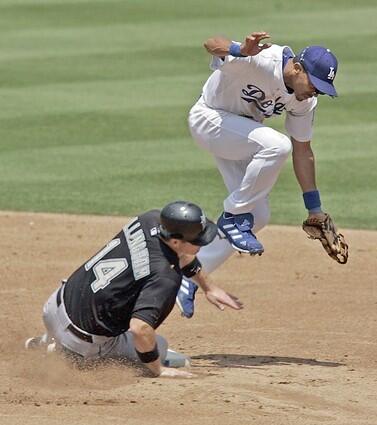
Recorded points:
303,351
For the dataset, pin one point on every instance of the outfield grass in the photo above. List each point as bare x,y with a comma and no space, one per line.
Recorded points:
95,96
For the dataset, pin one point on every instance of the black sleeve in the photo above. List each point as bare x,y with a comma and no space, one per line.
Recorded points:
155,302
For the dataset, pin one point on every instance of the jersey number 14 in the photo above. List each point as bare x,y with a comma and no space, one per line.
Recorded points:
106,270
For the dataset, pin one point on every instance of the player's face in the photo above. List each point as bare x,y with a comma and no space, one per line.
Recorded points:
182,247
188,248
303,88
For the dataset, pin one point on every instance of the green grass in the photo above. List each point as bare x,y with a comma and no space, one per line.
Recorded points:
95,96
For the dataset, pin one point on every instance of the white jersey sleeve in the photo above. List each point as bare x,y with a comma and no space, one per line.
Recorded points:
299,119
216,63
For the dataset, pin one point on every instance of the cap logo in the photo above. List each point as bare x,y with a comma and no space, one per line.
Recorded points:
331,74
203,221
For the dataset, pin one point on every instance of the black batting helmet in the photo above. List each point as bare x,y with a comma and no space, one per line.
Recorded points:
186,221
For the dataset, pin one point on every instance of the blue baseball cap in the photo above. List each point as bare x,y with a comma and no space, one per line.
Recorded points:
321,66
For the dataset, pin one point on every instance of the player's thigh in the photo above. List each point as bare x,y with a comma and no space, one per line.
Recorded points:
234,137
56,323
224,134
50,315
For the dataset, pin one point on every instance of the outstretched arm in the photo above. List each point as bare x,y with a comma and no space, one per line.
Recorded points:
318,225
221,46
192,269
215,295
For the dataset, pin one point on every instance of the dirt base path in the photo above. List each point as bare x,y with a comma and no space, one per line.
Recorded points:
303,351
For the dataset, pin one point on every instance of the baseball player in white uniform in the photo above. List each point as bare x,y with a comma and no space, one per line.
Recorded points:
251,82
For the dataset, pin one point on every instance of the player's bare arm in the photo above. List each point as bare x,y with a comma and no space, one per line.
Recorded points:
213,293
221,46
304,167
145,343
304,164
318,225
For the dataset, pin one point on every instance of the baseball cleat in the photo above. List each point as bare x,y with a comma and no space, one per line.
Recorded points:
237,229
41,342
36,342
174,359
51,348
33,342
186,297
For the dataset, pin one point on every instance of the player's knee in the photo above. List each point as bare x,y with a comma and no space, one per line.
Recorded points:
275,145
284,146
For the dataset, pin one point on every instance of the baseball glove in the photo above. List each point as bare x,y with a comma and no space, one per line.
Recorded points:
333,242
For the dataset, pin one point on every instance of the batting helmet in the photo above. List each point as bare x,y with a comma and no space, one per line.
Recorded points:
186,221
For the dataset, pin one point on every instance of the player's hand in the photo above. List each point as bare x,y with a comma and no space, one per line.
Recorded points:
221,299
168,372
251,46
320,215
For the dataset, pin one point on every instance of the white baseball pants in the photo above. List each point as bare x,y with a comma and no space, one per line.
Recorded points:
249,157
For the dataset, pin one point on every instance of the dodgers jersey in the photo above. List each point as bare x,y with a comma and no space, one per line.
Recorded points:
253,87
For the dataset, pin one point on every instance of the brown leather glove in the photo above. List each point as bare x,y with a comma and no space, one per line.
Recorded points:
333,242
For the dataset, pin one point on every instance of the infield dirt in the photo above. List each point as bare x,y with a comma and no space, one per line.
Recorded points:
303,350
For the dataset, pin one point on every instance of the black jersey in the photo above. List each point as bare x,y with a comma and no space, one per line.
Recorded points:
134,275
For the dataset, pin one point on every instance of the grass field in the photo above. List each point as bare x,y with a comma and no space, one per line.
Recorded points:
95,94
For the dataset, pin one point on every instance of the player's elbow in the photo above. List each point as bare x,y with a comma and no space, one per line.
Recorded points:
139,328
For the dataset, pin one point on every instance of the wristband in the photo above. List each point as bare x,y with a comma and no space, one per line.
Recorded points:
312,201
192,268
149,356
235,50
